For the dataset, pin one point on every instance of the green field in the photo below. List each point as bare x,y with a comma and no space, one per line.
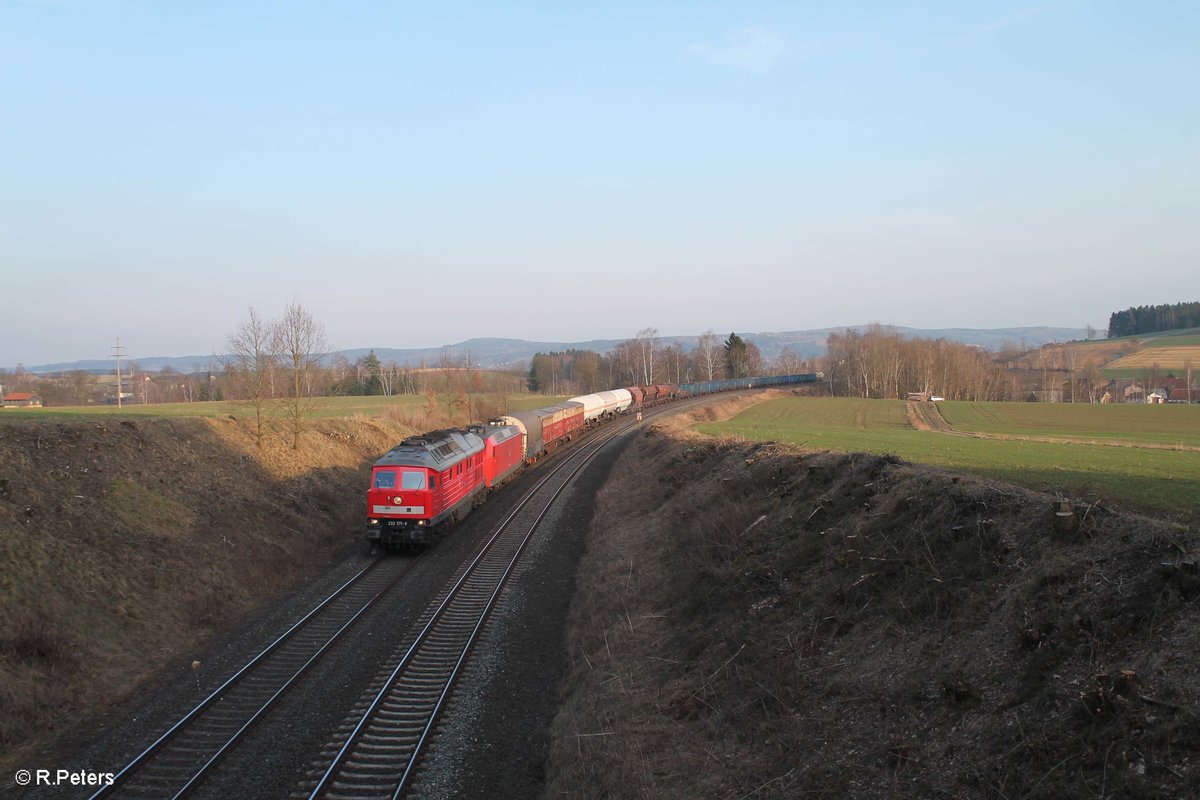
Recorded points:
1135,424
1146,477
1171,340
325,407
1174,335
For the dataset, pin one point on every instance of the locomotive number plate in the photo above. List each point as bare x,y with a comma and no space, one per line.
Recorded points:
398,509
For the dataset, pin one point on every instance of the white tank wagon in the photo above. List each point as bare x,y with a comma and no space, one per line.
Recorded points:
604,405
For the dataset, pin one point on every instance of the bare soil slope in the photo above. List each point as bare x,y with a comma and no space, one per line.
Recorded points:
123,543
756,621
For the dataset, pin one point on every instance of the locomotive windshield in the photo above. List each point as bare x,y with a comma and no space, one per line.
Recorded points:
411,479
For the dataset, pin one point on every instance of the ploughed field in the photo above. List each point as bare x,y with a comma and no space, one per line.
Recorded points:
1145,456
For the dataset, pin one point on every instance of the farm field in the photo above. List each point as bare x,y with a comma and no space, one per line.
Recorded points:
1132,424
1173,353
1149,478
373,405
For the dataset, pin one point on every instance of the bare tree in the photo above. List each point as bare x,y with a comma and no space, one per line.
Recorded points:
623,366
301,344
709,354
1093,379
253,352
448,370
645,344
1070,357
472,383
674,361
388,375
789,362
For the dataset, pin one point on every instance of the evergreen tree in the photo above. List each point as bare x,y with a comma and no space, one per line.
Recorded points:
736,357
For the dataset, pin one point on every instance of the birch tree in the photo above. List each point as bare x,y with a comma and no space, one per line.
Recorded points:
708,354
645,344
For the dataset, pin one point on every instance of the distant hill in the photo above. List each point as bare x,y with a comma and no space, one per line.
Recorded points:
502,353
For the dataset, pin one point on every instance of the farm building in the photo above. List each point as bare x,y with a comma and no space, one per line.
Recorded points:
22,400
1134,393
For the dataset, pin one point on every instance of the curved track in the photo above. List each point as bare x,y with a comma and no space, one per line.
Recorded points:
181,757
375,756
378,754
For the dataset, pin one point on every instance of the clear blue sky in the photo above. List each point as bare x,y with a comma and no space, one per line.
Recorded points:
418,174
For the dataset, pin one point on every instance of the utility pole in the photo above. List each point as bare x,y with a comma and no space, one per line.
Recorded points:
117,353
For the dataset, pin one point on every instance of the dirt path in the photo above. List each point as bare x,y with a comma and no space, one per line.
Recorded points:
927,417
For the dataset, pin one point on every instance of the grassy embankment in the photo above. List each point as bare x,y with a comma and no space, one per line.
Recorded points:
753,620
1133,467
129,537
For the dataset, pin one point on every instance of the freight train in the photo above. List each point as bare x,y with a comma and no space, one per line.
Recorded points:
430,481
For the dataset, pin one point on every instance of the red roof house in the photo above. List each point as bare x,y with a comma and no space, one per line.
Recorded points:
22,400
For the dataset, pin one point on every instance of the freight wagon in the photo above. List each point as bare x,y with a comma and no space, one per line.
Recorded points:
604,405
438,477
729,384
544,429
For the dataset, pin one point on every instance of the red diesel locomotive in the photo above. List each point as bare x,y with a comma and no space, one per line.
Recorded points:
437,477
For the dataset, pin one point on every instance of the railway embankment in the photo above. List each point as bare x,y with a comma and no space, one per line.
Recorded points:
753,620
125,543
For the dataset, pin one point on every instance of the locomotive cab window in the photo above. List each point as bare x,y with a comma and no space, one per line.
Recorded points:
412,480
385,479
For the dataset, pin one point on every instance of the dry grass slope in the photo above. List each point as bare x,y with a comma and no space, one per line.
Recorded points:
753,621
124,543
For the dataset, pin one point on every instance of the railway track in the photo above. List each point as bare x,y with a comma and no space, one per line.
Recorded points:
376,756
181,757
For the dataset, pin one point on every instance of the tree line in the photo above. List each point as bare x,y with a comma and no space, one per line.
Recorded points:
281,367
884,364
644,360
276,368
1151,319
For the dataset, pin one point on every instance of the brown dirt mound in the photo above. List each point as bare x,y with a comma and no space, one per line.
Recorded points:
755,621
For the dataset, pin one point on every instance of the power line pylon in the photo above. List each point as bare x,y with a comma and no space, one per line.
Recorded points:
118,353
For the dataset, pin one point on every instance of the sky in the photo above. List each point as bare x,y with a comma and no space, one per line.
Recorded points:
417,174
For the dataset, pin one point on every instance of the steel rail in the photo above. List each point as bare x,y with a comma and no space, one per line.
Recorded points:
222,691
583,458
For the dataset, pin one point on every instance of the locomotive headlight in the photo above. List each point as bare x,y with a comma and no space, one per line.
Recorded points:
373,522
